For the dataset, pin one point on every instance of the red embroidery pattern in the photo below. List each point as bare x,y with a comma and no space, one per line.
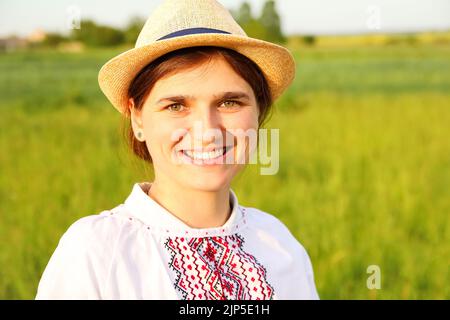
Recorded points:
216,268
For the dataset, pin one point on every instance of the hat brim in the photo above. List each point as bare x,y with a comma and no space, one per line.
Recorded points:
275,61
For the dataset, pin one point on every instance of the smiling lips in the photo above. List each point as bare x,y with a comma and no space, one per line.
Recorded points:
206,156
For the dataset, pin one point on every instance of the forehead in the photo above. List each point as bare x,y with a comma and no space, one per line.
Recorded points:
204,79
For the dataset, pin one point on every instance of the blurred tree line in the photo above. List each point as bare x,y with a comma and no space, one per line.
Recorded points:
95,35
267,27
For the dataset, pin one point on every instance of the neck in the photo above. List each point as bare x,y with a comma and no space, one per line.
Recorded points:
196,208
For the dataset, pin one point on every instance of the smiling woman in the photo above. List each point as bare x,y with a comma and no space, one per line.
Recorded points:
187,92
188,58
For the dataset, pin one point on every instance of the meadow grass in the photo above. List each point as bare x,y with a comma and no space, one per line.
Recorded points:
363,179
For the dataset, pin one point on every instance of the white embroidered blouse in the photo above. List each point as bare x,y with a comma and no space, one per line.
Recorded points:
139,250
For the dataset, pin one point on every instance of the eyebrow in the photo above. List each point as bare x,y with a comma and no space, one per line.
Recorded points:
218,97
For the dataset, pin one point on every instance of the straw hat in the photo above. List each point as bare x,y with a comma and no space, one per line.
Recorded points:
177,24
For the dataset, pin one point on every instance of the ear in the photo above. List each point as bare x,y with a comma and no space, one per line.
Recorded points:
136,121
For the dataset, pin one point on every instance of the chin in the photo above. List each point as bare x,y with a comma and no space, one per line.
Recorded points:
211,182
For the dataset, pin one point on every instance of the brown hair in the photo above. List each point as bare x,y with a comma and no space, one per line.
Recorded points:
187,58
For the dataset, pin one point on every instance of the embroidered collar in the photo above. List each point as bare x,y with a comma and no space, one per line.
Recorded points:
140,206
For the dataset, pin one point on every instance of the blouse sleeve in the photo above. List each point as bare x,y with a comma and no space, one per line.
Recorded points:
78,268
298,267
310,276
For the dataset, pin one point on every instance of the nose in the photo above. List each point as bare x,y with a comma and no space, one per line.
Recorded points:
209,117
207,127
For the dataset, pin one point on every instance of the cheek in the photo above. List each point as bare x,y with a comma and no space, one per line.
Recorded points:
159,137
247,119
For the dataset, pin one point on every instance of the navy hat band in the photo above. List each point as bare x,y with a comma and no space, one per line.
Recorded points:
189,31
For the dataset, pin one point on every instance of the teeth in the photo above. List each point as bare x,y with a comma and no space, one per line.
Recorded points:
204,155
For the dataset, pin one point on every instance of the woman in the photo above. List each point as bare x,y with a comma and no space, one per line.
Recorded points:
191,84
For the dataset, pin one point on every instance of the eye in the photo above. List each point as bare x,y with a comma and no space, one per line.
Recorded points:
176,107
230,104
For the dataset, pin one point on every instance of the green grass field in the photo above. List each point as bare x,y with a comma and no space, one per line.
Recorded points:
364,173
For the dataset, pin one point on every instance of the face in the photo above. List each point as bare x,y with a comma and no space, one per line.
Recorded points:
195,124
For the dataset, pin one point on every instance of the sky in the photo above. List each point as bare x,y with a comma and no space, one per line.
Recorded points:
21,17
